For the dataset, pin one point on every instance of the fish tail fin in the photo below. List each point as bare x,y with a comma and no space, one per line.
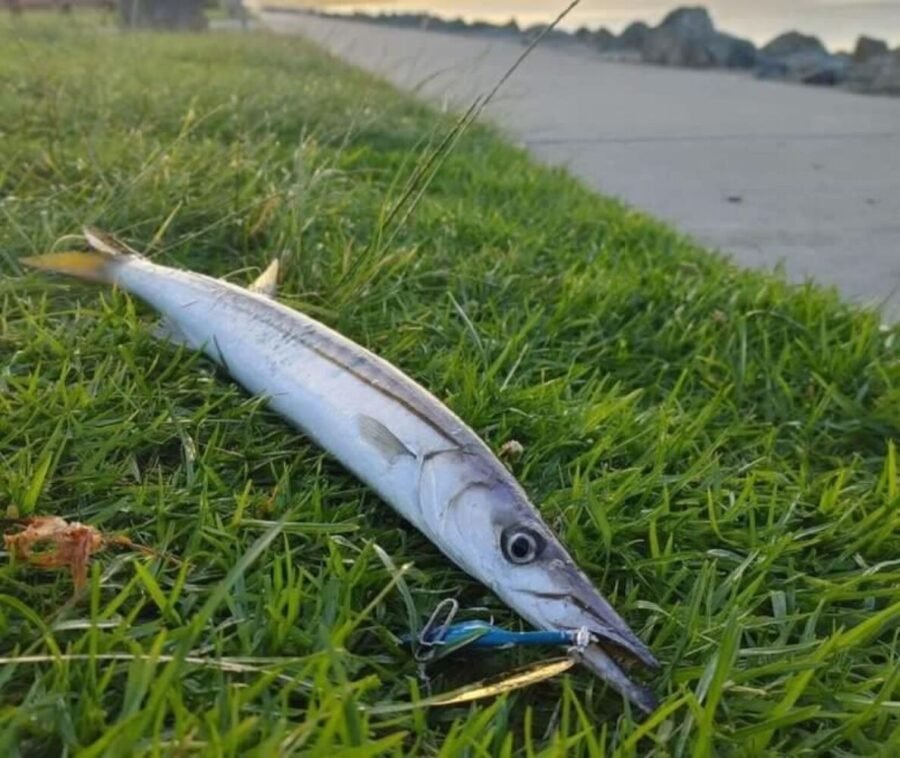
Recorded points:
93,266
96,265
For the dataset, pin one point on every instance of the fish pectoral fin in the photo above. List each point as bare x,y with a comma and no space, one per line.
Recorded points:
383,439
267,282
167,330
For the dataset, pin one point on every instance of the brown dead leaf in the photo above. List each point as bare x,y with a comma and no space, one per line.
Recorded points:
52,542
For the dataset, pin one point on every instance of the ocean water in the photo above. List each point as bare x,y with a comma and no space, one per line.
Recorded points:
836,22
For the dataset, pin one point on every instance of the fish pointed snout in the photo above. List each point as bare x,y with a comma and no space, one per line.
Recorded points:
568,600
596,659
563,598
560,597
609,629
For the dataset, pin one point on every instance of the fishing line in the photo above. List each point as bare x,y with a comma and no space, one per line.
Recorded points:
433,162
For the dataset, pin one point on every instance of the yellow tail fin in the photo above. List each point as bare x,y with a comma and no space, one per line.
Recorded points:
93,266
97,265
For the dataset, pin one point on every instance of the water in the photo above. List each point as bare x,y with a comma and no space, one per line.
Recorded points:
836,22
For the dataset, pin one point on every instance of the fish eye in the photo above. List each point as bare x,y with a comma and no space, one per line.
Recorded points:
520,544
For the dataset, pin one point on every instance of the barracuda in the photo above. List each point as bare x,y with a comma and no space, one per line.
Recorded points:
389,431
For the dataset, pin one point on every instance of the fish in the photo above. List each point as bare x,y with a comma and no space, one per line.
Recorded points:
389,431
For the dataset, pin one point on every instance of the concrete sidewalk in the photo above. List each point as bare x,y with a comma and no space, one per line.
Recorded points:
766,172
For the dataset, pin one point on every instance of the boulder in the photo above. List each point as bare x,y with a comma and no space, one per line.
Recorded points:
583,34
163,14
385,18
791,43
634,36
531,33
511,28
806,67
667,47
732,52
413,20
679,39
880,75
447,25
827,71
770,68
802,58
687,37
693,22
604,40
869,47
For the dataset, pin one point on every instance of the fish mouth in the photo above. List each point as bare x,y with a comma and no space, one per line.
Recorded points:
613,648
596,658
605,626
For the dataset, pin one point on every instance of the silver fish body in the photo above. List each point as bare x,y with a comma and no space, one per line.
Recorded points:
392,434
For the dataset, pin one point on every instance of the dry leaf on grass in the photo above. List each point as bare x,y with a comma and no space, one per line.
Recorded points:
52,542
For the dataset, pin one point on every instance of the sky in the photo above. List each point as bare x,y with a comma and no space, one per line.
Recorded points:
837,22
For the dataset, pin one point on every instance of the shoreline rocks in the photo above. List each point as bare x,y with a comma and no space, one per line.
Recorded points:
163,14
868,48
797,57
688,38
877,76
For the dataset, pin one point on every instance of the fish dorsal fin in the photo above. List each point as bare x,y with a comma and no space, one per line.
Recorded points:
106,243
267,282
383,439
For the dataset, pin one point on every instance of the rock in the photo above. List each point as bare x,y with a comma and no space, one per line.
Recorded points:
583,35
732,52
691,22
163,14
415,20
235,10
880,75
801,58
687,37
406,20
807,66
679,39
485,27
770,68
449,25
531,33
827,71
634,36
604,40
791,43
390,19
666,47
868,47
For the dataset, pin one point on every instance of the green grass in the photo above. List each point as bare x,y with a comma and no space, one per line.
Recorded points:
717,449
